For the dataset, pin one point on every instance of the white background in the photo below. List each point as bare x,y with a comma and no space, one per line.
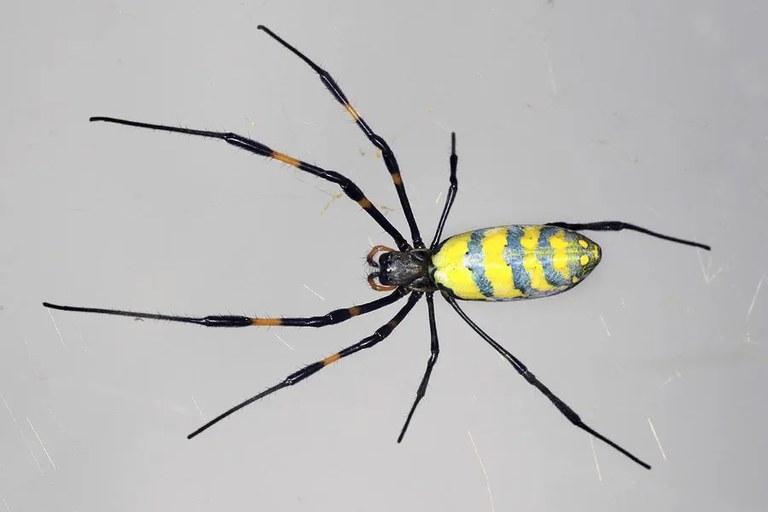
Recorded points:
639,111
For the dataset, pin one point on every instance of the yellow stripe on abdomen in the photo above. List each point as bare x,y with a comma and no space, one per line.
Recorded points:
529,241
451,271
560,258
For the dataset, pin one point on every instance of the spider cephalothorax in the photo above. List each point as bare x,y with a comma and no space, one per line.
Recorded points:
410,269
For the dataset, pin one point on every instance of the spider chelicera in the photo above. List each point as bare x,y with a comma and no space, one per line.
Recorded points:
504,263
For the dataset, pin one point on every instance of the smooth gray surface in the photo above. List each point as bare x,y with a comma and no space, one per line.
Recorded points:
640,111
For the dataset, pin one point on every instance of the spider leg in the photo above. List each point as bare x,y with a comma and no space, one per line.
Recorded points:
566,411
617,225
389,157
334,317
252,146
435,351
454,161
380,334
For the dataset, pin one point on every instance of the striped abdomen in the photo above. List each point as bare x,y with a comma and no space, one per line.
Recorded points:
513,262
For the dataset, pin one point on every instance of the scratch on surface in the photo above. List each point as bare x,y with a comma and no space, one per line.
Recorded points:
55,420
313,291
672,377
594,456
663,455
6,505
80,333
23,436
708,277
605,326
57,328
199,410
551,73
330,202
441,126
485,473
9,408
754,297
629,486
654,211
45,450
438,197
284,342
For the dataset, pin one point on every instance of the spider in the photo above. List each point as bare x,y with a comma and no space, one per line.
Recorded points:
505,263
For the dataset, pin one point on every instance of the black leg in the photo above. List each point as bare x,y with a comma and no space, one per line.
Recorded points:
435,351
617,225
334,317
454,161
252,146
531,378
296,377
389,157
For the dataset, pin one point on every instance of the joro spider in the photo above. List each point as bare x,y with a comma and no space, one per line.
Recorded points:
504,263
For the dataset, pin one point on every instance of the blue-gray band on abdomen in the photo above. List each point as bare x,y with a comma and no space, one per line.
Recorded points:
474,262
513,256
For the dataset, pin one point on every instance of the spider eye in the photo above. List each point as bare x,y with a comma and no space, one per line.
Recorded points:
385,265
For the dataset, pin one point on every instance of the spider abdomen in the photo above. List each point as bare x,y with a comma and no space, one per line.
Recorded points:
513,262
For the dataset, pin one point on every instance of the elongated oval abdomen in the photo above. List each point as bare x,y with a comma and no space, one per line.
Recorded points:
513,262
